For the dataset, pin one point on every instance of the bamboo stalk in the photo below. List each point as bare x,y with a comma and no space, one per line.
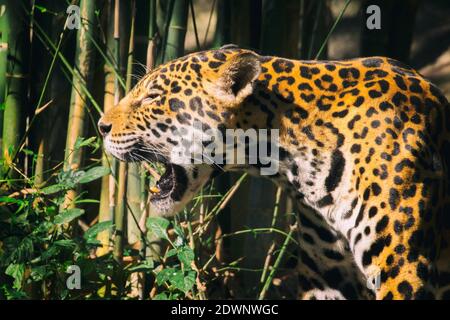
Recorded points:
120,200
119,213
40,61
133,194
223,29
44,73
84,61
194,23
107,202
152,37
174,18
280,28
16,101
117,93
177,30
134,179
3,63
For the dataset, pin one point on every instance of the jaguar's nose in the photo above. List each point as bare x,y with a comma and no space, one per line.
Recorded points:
104,128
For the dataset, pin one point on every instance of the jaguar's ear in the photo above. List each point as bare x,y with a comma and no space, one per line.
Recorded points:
236,78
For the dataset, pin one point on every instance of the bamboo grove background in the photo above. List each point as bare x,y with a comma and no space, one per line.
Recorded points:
64,202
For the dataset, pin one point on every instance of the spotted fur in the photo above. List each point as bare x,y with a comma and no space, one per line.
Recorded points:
364,151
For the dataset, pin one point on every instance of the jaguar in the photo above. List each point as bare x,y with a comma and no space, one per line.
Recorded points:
363,149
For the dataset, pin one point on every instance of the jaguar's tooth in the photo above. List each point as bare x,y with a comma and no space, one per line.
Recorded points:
155,189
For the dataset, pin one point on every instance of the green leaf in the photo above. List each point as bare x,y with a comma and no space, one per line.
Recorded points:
186,256
171,253
11,200
179,242
145,266
21,251
51,251
40,8
2,106
65,243
97,228
56,247
38,273
158,226
70,178
68,215
165,275
53,189
12,294
178,231
161,296
183,281
87,201
43,228
82,142
94,174
93,242
16,271
28,152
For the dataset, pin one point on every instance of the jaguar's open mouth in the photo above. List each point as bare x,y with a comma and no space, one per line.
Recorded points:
172,183
171,179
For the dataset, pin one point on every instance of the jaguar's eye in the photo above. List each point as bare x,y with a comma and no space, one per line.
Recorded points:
150,97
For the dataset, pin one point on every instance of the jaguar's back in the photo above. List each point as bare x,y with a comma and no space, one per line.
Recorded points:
364,148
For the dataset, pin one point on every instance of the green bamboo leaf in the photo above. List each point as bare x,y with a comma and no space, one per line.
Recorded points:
40,8
94,174
146,266
82,142
11,200
51,252
53,189
171,253
27,152
97,228
68,215
158,226
86,201
65,243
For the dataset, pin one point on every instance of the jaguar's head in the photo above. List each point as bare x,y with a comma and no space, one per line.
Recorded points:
154,122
